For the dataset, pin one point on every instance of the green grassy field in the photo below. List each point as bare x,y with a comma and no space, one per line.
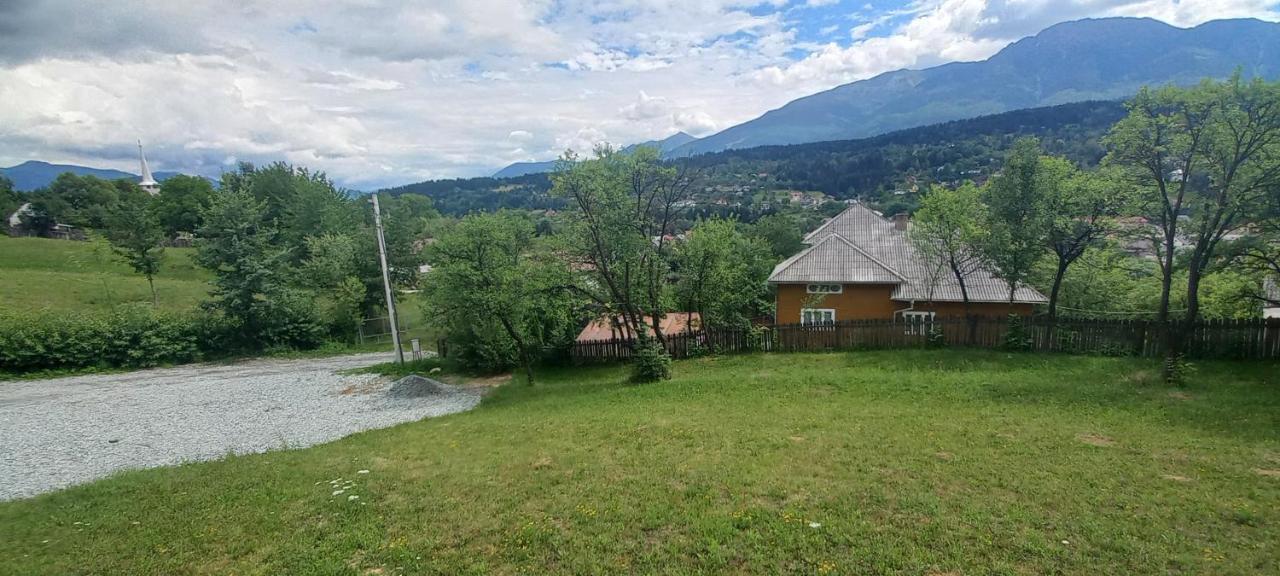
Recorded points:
38,273
907,462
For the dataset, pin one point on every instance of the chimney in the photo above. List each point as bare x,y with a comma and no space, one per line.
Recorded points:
900,221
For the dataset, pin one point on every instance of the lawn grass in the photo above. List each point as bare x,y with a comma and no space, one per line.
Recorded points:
902,462
39,273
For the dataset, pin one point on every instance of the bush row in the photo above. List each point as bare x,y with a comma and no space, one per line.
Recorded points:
136,337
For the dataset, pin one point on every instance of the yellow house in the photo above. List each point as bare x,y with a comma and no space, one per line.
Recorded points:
860,266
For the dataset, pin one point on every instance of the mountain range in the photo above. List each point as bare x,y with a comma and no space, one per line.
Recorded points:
665,146
33,174
1078,61
1093,59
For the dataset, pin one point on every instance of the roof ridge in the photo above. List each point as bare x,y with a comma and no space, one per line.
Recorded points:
783,265
864,252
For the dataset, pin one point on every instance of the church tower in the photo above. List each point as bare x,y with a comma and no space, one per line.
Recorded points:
147,183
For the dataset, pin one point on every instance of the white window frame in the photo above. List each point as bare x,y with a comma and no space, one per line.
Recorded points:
918,323
828,316
824,288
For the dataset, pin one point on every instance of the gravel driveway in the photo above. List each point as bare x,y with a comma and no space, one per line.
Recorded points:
64,431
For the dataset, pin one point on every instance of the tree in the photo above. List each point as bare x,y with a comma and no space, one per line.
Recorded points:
76,200
947,232
1017,212
486,272
9,198
1080,213
181,201
781,232
330,269
1210,154
723,274
250,275
624,206
136,236
1259,255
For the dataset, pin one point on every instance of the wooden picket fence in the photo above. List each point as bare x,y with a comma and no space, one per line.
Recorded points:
1227,339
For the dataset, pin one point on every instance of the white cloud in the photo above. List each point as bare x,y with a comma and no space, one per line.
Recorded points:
964,30
381,92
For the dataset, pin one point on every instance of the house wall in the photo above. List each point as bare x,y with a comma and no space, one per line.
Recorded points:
873,301
987,309
857,302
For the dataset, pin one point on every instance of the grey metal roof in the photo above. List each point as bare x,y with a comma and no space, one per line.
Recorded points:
876,238
836,260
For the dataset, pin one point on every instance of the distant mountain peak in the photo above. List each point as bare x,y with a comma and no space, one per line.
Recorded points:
664,146
35,174
1091,59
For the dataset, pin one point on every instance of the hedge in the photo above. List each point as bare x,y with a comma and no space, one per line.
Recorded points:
131,337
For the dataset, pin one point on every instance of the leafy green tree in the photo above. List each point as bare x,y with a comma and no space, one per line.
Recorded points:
81,201
296,202
487,274
1259,254
331,270
251,275
1081,212
10,200
623,210
780,232
181,201
948,234
1017,211
723,274
137,237
1210,153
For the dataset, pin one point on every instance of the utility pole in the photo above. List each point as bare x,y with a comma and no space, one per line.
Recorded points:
386,279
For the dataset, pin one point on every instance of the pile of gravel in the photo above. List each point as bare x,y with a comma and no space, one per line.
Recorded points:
66,431
414,386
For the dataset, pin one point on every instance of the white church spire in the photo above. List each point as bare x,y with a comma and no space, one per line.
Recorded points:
148,183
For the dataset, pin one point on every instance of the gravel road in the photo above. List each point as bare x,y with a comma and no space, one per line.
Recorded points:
64,431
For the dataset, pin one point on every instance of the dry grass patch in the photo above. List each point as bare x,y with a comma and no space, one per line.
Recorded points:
1096,440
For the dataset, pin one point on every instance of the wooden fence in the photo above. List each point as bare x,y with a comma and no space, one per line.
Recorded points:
1228,339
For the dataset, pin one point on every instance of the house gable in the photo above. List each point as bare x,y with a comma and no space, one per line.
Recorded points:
888,246
834,260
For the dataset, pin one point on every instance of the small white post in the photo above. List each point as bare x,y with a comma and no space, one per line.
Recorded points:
386,279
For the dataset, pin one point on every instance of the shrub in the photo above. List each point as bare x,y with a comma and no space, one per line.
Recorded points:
651,362
1016,337
936,338
131,337
482,348
290,321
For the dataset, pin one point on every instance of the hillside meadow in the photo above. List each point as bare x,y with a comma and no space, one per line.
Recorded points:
40,273
900,462
58,275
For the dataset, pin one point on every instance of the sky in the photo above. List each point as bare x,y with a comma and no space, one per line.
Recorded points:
380,93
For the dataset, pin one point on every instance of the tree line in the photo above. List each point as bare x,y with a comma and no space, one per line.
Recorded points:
1192,172
291,253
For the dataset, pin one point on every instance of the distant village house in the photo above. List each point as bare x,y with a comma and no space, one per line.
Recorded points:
860,266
